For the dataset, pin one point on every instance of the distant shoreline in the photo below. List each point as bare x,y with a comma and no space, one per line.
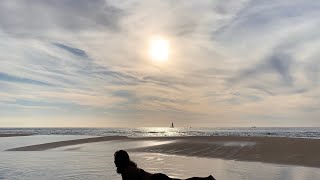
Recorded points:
279,150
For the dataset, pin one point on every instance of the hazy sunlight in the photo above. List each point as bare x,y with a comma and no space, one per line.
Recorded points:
159,49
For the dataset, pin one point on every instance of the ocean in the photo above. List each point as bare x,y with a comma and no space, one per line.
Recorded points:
296,132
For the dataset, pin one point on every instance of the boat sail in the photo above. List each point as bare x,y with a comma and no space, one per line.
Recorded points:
172,126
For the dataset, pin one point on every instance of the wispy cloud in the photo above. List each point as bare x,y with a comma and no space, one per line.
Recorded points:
10,78
75,51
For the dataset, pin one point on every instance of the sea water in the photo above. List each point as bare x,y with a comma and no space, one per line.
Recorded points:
306,132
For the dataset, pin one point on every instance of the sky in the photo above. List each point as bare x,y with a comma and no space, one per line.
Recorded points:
232,63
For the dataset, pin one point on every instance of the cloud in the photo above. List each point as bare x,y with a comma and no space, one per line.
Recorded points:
10,78
42,17
75,51
230,61
277,63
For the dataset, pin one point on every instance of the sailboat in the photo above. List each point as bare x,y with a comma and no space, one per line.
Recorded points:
172,126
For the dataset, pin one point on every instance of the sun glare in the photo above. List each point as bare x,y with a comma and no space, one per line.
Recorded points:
159,49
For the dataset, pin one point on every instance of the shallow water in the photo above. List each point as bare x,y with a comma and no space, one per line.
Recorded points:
95,161
184,167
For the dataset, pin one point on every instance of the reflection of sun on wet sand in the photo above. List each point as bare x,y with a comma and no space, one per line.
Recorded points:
279,150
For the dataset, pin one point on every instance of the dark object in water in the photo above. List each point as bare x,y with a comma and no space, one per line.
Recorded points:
129,170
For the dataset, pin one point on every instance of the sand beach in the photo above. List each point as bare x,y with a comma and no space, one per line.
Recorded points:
279,150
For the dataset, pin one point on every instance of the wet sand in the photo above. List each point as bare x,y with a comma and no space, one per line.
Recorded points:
13,135
293,151
303,152
52,145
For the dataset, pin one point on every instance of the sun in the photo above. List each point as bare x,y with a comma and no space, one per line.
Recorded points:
159,49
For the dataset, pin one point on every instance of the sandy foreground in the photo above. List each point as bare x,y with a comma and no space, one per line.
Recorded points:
293,151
